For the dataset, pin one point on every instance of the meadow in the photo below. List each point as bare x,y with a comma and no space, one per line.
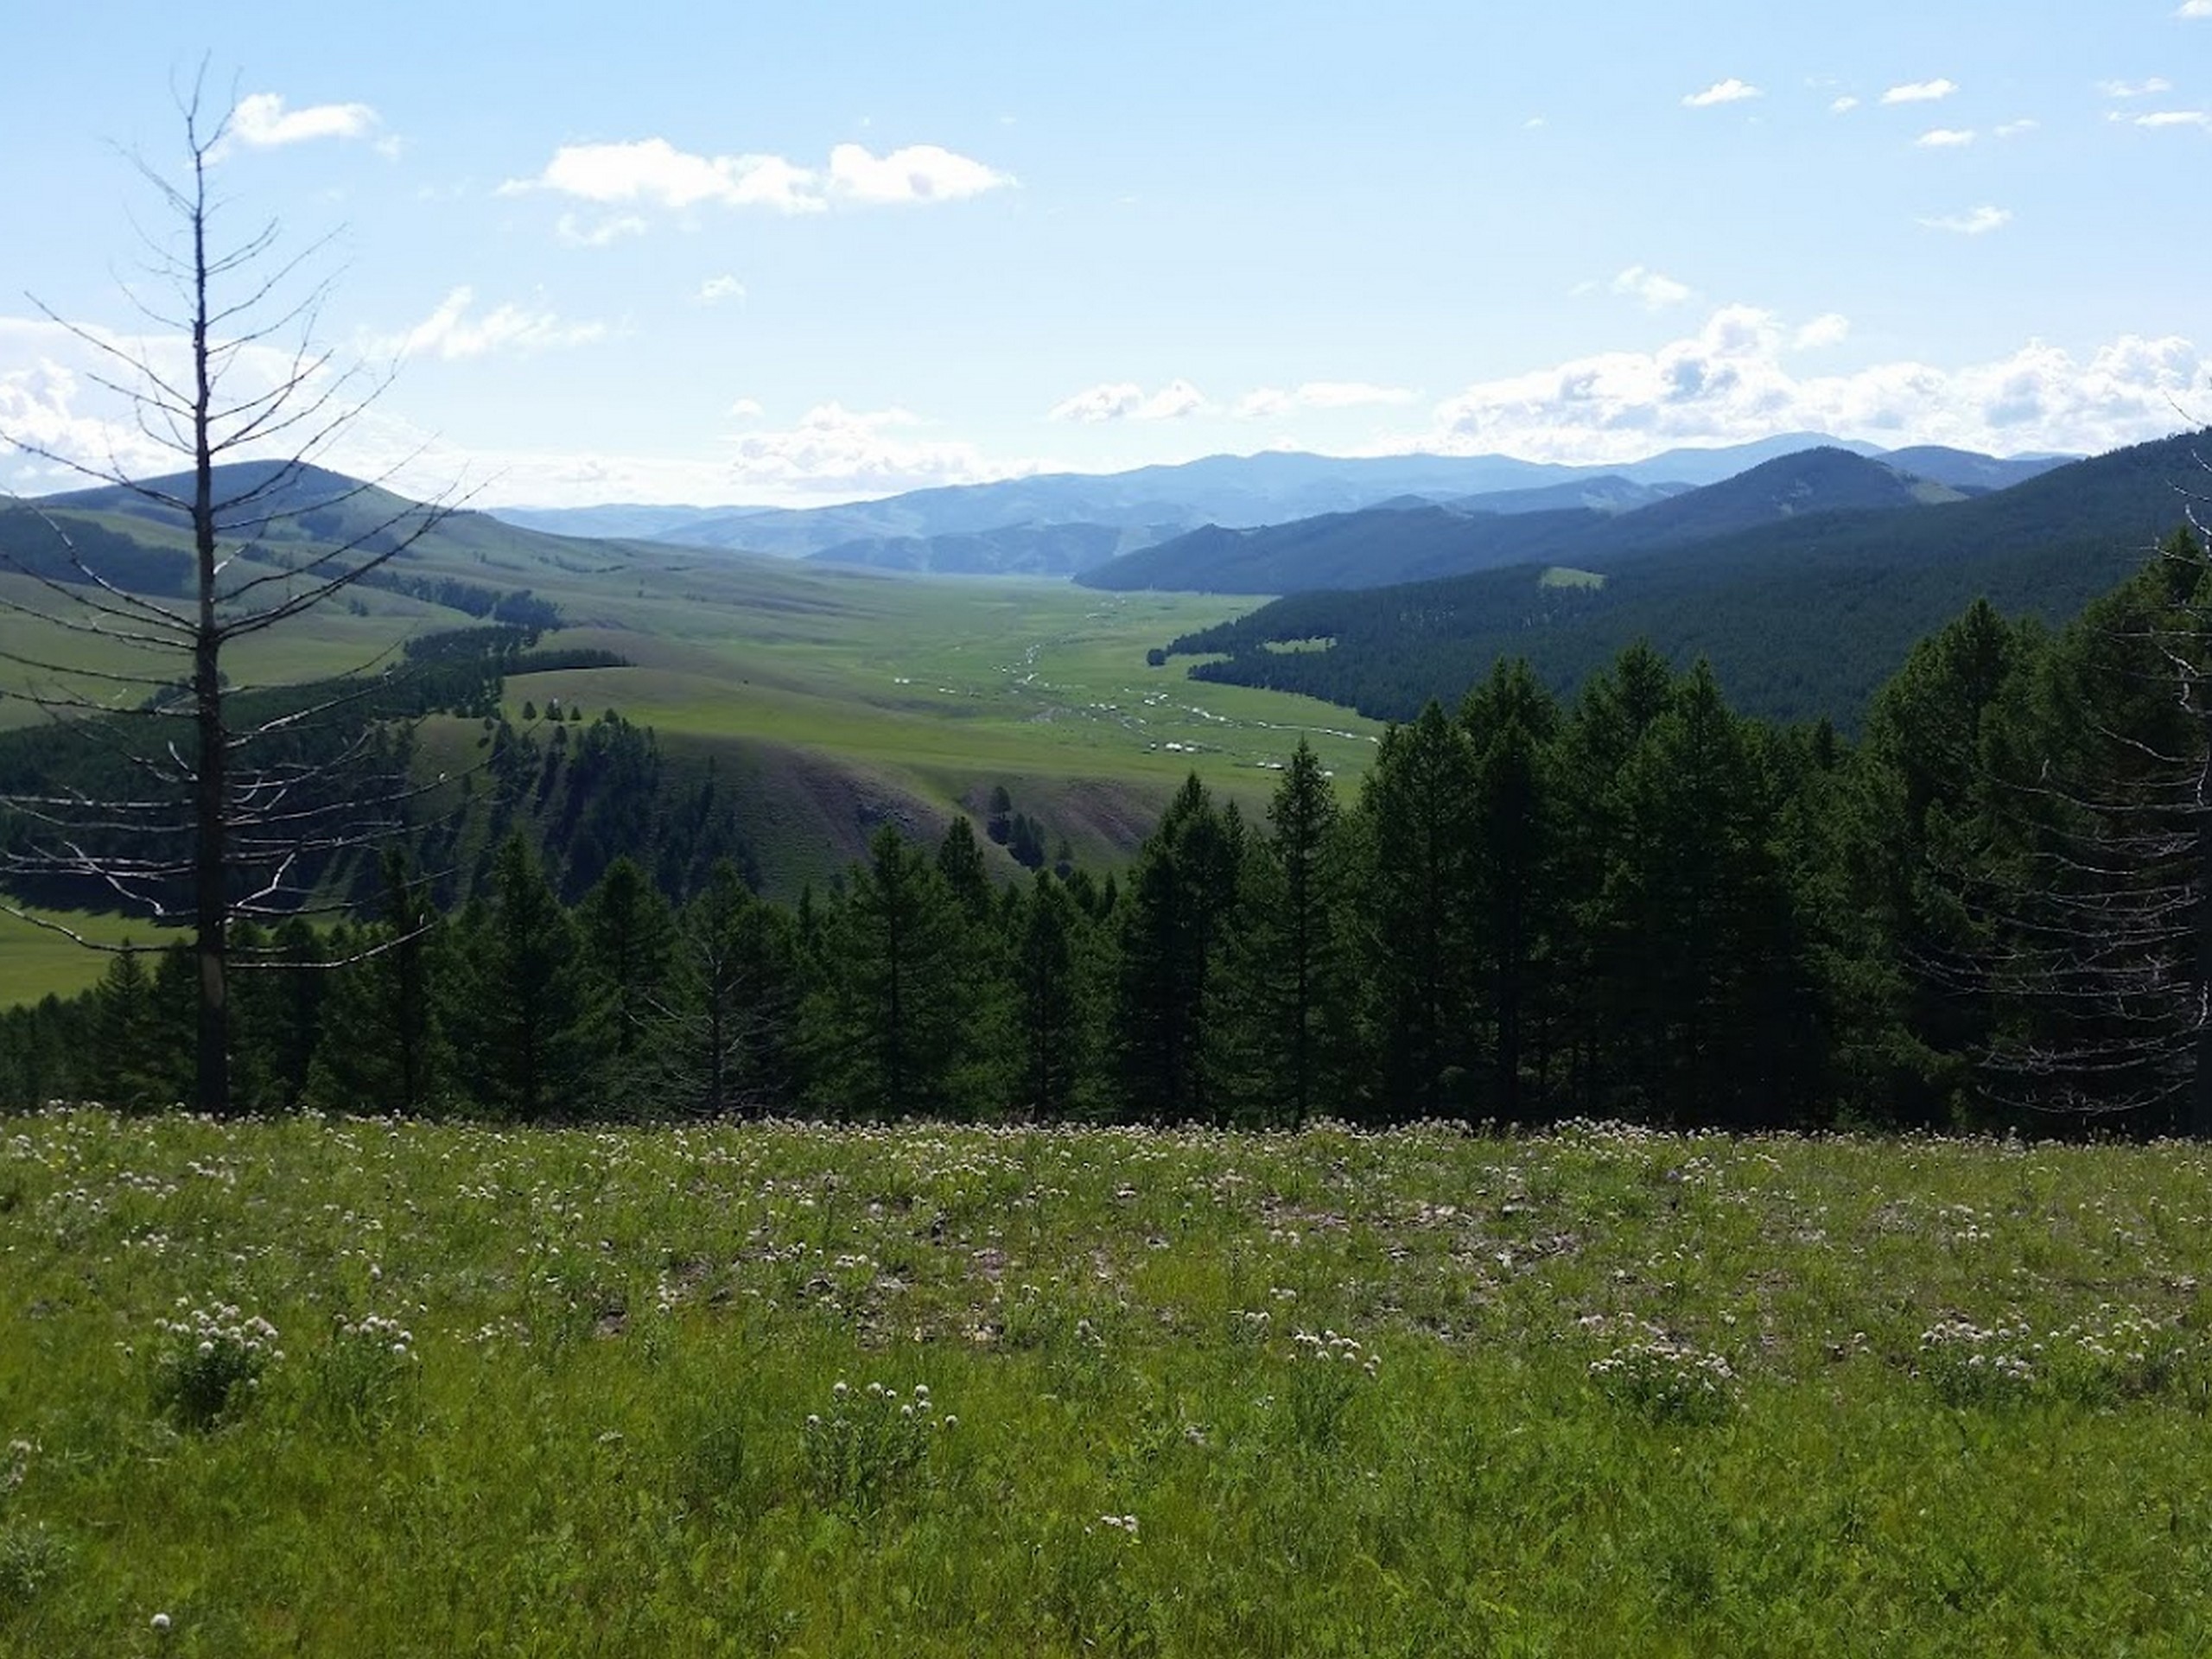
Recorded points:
341,1386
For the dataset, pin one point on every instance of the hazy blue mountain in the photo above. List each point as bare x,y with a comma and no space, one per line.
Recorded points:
633,522
1378,548
1155,503
1607,492
1962,469
1011,550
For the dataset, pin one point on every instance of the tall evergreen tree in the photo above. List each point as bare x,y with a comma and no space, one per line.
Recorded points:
1053,1001
1512,724
627,931
889,1028
727,1037
382,1044
1415,920
521,1016
1300,959
1170,921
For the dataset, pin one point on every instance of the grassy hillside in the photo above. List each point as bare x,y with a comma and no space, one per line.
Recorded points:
834,700
1603,1392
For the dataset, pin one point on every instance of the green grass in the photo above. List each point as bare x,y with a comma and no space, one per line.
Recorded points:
1628,1393
35,961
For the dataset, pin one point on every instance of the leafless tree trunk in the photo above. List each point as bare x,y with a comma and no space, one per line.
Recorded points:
248,417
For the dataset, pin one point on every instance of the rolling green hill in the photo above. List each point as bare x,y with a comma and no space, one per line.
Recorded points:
824,700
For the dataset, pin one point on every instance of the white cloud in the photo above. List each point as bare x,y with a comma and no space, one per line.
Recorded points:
1829,328
748,409
450,333
2176,118
1920,91
834,451
653,172
56,395
2194,9
715,289
1125,400
1979,222
1731,90
1532,123
1731,381
2014,129
577,234
1843,105
1266,402
262,121
919,173
1653,291
2135,88
1945,138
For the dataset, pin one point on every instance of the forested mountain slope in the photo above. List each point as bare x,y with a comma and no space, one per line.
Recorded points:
1801,617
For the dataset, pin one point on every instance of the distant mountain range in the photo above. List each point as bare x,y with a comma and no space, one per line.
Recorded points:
1060,523
1385,545
1804,581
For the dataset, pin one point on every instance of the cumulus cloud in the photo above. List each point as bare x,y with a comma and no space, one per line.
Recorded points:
834,451
715,289
2176,118
1829,328
2194,9
919,173
1945,138
2014,129
748,409
1266,402
1920,91
452,333
1653,291
1125,400
1731,90
1731,381
1843,105
262,122
1978,221
2155,85
653,172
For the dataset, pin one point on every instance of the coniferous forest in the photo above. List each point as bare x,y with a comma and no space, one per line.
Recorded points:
1990,910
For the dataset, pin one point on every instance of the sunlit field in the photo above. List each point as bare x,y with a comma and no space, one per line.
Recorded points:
362,1387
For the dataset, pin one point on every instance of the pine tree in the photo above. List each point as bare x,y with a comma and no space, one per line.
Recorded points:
889,1028
1512,724
1171,921
1298,967
522,1014
1414,931
383,1044
1898,884
627,932
727,1036
1053,1001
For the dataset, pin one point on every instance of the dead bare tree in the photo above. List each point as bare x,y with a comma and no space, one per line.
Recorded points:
2096,906
229,803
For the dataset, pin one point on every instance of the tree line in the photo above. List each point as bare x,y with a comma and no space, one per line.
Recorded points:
1993,910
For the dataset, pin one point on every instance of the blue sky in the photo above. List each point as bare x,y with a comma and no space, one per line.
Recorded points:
739,253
